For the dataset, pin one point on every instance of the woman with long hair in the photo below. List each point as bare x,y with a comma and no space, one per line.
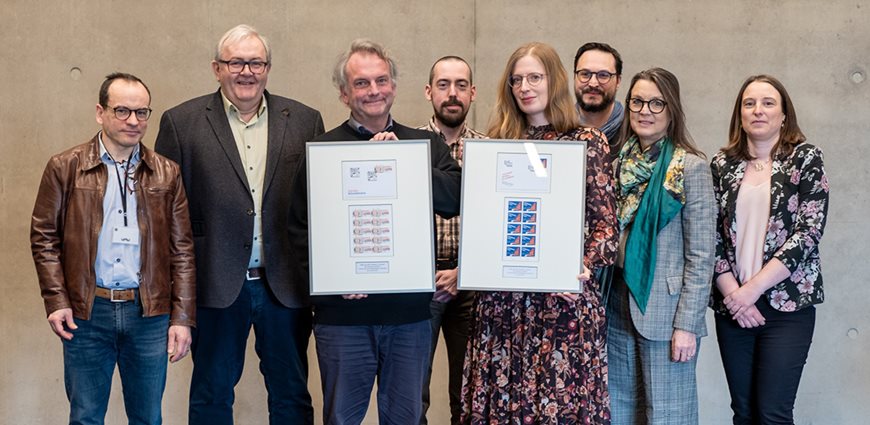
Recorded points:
667,219
772,193
539,357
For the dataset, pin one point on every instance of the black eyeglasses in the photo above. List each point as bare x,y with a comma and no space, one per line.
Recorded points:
236,66
585,75
533,78
656,106
123,113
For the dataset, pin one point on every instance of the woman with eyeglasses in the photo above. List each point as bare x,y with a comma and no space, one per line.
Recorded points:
772,193
667,218
540,358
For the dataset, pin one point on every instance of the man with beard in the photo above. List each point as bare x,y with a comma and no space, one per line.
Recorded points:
451,92
597,74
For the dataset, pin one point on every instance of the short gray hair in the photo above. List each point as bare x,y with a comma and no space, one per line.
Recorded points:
361,45
237,34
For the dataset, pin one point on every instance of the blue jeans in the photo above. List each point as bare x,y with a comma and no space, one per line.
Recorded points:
218,350
116,334
350,359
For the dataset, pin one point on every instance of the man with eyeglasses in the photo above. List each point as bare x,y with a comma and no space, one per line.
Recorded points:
238,149
385,337
597,74
111,240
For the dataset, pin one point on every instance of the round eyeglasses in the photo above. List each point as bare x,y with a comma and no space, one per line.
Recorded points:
585,75
655,106
123,113
533,78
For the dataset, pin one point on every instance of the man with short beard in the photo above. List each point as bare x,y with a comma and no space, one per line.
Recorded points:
451,92
597,74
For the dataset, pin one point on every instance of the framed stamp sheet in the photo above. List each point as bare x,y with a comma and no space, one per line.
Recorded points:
522,215
370,217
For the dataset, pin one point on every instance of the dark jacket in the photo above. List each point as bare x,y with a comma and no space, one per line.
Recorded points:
380,309
68,215
197,135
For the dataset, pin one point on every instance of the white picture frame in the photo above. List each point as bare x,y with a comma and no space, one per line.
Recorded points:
523,213
370,218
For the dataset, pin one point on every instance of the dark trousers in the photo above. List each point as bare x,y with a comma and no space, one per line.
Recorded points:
218,350
351,358
452,318
763,365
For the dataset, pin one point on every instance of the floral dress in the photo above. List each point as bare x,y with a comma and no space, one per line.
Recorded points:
534,358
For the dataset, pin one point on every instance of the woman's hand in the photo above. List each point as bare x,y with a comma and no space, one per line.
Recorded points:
751,318
741,299
684,345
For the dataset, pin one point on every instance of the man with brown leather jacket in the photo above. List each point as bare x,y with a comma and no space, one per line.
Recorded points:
111,241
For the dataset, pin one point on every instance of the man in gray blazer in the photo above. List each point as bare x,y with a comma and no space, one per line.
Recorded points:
238,149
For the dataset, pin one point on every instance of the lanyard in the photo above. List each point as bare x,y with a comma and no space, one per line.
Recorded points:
123,183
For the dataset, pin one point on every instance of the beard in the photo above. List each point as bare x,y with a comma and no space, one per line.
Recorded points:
606,100
451,119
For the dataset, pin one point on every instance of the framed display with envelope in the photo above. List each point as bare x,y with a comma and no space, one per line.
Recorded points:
522,215
370,217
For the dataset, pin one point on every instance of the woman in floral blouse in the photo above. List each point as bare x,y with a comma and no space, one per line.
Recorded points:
772,194
540,358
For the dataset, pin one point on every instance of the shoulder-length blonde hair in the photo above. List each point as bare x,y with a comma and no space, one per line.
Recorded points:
668,84
789,136
508,121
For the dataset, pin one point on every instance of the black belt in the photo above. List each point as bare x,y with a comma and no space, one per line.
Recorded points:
445,264
256,273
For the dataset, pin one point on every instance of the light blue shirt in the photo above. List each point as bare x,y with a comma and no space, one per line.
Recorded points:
118,264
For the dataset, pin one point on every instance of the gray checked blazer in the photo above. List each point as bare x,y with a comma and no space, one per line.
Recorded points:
684,263
197,135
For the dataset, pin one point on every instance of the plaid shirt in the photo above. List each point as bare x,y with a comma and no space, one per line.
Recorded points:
447,230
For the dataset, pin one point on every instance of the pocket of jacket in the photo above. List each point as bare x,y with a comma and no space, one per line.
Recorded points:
675,284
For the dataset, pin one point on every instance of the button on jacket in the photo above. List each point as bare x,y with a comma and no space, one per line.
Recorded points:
66,222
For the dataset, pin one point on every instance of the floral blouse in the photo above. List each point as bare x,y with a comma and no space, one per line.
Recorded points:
601,233
798,212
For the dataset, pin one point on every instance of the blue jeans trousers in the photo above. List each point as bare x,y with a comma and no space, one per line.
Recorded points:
116,334
218,351
352,357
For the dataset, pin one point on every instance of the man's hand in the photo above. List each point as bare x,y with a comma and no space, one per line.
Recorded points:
384,135
354,296
445,285
683,346
57,319
179,342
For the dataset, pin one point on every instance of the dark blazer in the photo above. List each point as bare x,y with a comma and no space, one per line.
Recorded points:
798,213
197,135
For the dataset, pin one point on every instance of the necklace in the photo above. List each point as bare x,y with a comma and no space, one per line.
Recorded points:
758,165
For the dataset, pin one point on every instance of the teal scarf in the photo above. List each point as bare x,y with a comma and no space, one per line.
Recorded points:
658,206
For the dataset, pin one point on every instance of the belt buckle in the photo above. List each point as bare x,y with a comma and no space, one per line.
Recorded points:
112,296
249,277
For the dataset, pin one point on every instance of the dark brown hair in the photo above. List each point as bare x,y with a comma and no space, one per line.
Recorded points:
789,136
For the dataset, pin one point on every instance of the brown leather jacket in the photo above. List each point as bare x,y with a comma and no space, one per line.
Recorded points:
66,222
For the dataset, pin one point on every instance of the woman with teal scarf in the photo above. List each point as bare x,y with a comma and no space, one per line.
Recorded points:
667,217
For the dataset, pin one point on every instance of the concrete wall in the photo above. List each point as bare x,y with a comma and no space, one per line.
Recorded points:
55,54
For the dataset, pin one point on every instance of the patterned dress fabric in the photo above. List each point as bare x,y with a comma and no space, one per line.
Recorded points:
534,358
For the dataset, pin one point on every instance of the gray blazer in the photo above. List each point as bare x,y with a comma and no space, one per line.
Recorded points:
197,135
684,263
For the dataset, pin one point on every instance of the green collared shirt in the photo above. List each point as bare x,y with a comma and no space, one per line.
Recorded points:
252,140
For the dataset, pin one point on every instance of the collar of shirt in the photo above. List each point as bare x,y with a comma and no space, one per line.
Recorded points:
108,160
362,130
463,134
233,112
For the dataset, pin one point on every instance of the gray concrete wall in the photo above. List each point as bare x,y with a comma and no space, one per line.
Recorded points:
55,54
